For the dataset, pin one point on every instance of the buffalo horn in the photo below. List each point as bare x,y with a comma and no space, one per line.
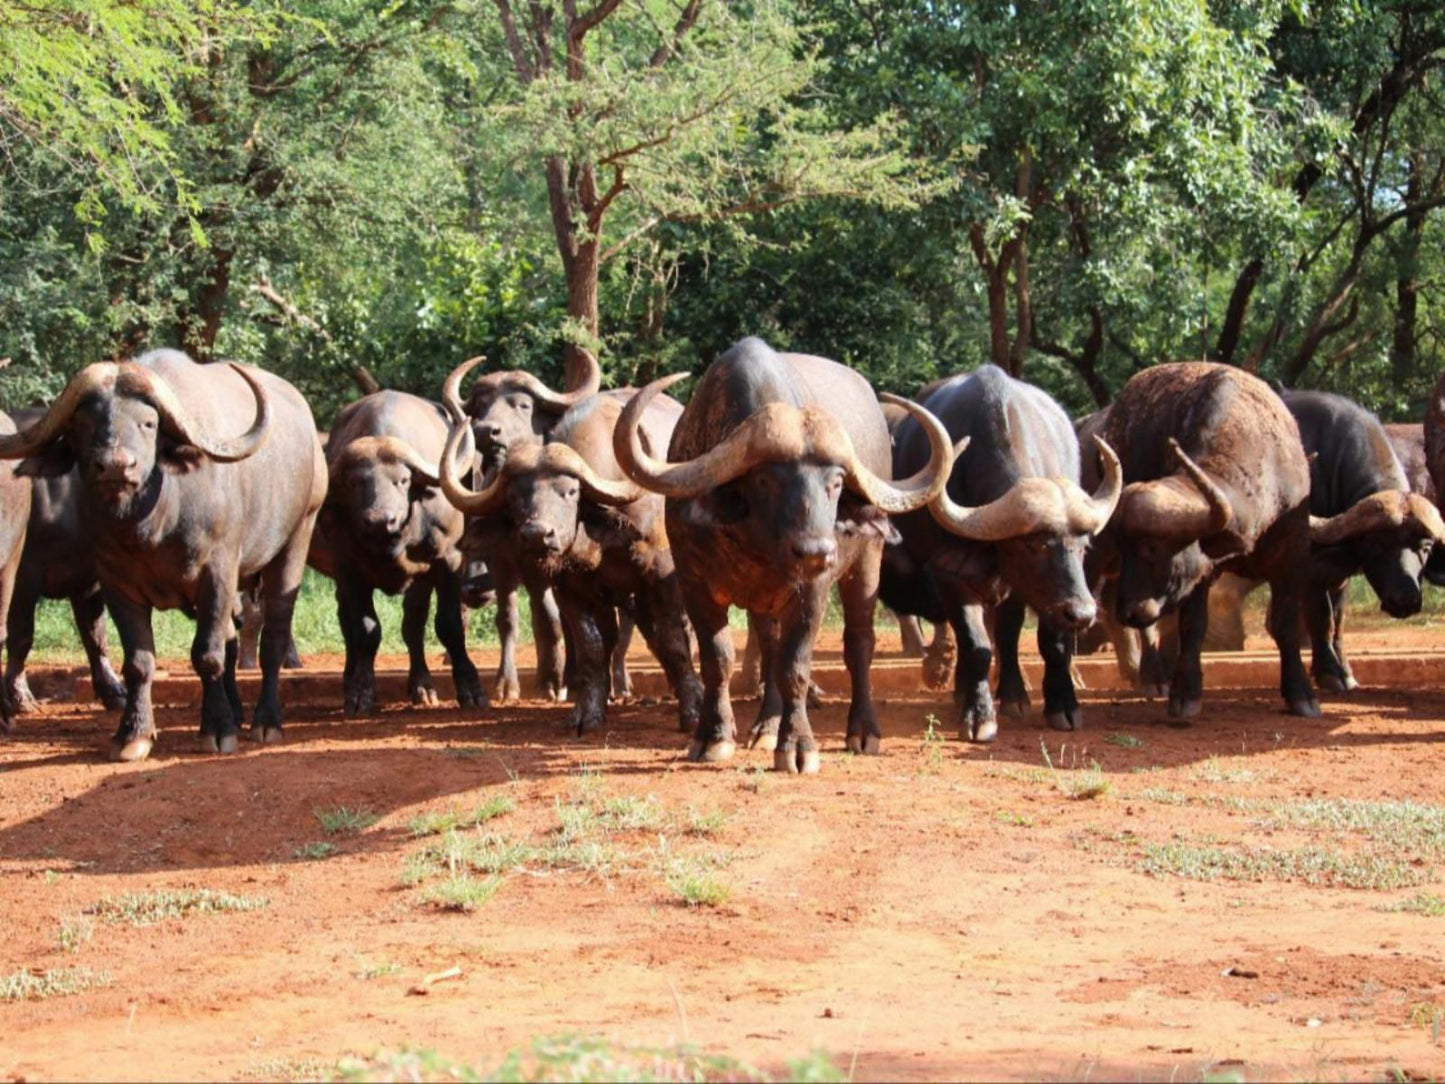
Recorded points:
1387,510
1192,508
99,377
556,402
460,447
180,423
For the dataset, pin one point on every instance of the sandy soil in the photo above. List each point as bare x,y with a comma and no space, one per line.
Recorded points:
935,912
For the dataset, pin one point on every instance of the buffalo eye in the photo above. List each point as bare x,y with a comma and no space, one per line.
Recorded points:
523,403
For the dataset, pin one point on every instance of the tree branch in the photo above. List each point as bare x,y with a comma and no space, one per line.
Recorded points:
514,42
685,22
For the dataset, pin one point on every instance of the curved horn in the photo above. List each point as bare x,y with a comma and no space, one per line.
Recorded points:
397,450
1091,514
452,388
1384,511
178,419
717,466
908,494
460,448
1193,507
566,460
93,378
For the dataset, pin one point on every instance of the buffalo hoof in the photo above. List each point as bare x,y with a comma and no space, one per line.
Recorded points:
1333,683
424,696
473,697
506,690
1014,709
130,751
557,694
113,699
1155,692
1184,707
981,732
1065,720
715,752
1307,709
797,761
23,702
360,705
866,744
764,735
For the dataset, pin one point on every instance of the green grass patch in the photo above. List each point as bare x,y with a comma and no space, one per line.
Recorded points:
1213,771
461,892
698,887
1400,826
57,982
1017,820
1124,741
290,1070
1311,865
156,905
1080,784
708,822
434,824
315,850
75,932
1422,903
341,819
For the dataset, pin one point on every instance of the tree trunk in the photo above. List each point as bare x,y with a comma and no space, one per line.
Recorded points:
1407,280
582,271
203,324
1023,309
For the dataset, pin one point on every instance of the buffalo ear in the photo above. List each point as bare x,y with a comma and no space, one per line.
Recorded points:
855,518
1222,546
51,462
181,458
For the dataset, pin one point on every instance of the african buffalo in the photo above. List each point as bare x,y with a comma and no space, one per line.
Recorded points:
181,512
511,409
1216,479
596,538
58,563
1408,440
1010,531
385,526
777,486
15,501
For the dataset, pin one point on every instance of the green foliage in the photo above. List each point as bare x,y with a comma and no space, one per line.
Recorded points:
146,908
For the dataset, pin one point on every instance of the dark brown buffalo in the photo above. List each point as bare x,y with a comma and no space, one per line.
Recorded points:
1216,480
385,526
777,486
511,409
187,494
58,563
577,524
1009,532
15,498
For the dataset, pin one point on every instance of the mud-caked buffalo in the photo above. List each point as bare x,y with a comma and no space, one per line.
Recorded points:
191,480
15,501
1010,531
777,486
385,526
596,538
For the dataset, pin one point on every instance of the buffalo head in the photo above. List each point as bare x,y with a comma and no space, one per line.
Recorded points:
121,426
1041,528
1392,534
1172,532
383,485
512,408
540,487
780,479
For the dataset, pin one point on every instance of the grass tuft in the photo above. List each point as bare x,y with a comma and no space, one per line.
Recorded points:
694,885
1124,741
315,850
75,932
290,1070
461,892
58,982
156,905
706,822
1422,903
1312,865
342,819
434,824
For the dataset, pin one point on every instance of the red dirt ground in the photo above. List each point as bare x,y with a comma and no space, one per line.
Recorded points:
939,911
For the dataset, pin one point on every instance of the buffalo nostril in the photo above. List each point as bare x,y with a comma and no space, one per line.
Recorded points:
815,549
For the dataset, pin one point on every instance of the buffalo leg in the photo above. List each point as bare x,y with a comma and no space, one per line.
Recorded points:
797,750
228,678
1061,705
215,624
584,616
415,609
660,617
1323,613
1186,691
716,735
976,721
451,630
20,626
752,678
88,608
858,591
1337,607
356,609
8,576
507,686
763,633
1008,623
280,584
911,636
137,730
549,637
1285,600
939,659
621,679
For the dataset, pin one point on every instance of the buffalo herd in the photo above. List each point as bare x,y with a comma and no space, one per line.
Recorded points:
163,483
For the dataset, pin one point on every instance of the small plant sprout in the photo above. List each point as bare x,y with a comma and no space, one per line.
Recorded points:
315,850
932,743
1080,784
1124,741
75,932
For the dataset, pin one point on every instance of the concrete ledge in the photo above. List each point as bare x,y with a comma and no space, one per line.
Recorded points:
892,676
